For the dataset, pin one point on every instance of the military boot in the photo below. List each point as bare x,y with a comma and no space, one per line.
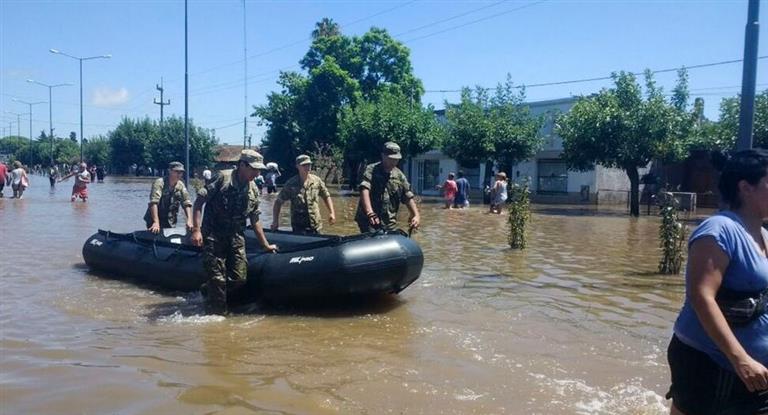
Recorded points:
215,298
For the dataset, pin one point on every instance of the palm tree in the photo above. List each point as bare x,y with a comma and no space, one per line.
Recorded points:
326,28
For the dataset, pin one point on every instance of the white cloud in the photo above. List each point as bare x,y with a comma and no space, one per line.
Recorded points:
107,97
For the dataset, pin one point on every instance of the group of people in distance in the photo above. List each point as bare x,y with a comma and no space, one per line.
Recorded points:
18,179
232,197
456,192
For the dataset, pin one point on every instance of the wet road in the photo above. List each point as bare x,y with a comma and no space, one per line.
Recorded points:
576,324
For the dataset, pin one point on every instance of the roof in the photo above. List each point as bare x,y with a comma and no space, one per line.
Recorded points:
227,153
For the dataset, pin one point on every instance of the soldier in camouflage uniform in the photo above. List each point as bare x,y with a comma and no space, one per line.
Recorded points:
383,188
165,198
229,200
304,192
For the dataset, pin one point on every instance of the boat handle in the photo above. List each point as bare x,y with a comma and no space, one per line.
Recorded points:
157,256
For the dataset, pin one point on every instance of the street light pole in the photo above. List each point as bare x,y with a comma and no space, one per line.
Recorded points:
30,123
18,122
749,76
186,99
81,59
50,109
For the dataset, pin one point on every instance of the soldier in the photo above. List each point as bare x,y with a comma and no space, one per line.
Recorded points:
229,200
304,191
164,200
382,190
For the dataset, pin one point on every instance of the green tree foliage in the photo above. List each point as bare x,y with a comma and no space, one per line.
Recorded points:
168,144
144,142
726,133
492,128
672,236
519,203
12,143
129,143
623,128
366,127
96,151
342,72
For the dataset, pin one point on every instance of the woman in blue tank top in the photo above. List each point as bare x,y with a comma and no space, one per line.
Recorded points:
719,352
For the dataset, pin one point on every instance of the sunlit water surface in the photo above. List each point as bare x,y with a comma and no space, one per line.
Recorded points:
577,323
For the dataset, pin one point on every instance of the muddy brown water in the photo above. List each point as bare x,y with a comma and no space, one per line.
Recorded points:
577,323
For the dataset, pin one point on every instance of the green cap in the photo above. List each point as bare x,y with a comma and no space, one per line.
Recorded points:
303,159
392,150
175,166
254,159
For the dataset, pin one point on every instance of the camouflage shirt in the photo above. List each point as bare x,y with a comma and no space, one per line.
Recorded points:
167,199
228,204
305,201
387,191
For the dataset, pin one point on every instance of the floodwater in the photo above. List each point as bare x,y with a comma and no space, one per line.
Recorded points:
577,323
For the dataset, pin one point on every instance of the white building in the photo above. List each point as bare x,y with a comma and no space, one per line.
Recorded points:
549,179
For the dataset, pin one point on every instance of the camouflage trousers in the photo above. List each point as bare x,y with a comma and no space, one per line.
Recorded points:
226,265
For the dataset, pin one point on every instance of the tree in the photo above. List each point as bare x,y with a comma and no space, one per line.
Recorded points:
145,143
484,129
73,136
129,143
12,143
326,27
168,144
728,129
96,151
366,127
623,128
342,72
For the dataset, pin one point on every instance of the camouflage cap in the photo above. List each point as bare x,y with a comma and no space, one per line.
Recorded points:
392,150
253,158
175,166
303,159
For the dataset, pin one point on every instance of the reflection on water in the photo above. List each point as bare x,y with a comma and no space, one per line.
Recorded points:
576,323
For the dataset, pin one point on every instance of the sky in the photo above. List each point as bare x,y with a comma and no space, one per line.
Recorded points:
452,43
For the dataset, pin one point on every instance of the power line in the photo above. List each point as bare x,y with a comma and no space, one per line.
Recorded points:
448,19
603,78
475,21
301,41
232,84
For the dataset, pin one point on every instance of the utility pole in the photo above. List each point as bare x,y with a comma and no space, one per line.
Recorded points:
749,75
161,103
245,78
186,96
18,122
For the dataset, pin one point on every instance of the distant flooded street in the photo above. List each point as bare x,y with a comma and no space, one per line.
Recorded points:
578,323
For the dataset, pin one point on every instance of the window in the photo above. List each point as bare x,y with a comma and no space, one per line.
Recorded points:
431,174
553,176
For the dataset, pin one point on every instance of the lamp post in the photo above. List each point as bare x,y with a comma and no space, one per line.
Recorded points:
58,52
749,76
30,123
18,122
50,108
186,99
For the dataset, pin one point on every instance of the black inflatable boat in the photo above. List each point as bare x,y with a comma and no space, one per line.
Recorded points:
306,267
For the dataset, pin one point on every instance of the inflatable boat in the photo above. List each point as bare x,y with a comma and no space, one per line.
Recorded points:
305,267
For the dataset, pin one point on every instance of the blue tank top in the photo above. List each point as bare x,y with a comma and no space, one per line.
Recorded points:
747,271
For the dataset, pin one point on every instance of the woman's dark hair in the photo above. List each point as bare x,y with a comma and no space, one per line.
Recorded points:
750,165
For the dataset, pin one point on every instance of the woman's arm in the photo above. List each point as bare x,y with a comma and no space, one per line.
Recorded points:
706,266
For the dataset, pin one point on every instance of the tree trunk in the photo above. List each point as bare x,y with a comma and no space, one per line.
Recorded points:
634,190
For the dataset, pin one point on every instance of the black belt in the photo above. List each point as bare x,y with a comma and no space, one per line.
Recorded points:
741,307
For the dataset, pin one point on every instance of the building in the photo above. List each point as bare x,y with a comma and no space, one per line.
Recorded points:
549,179
226,156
